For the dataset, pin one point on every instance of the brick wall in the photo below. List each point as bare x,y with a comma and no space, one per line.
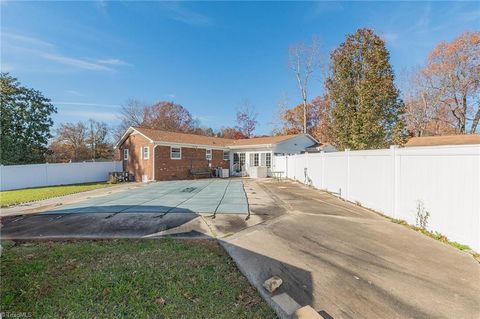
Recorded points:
165,167
136,164
172,169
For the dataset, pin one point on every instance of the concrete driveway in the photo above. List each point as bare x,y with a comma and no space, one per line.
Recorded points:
344,261
348,262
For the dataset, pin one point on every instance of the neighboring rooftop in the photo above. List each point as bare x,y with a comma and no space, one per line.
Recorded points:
262,140
183,138
443,140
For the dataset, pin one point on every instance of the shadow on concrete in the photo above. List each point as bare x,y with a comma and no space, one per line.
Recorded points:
296,290
107,223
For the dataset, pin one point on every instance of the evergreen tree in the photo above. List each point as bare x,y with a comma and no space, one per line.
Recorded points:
367,110
25,121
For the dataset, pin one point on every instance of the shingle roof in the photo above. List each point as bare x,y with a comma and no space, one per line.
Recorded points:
443,140
182,138
174,137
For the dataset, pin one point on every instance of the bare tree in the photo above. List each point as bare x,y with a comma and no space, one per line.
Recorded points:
81,141
246,119
425,114
278,121
132,113
74,136
168,116
453,72
304,60
97,140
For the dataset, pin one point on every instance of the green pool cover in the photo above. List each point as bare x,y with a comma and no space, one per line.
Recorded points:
200,196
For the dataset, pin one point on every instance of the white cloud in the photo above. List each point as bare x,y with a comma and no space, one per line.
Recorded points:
180,13
97,115
25,39
46,50
78,63
112,62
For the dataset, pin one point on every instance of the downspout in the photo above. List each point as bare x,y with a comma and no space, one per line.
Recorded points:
153,164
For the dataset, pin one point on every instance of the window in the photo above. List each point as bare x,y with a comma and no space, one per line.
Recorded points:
208,154
238,162
175,152
146,152
242,159
255,159
226,155
263,161
125,154
269,160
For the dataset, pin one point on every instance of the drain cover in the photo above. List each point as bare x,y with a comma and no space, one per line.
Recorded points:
188,189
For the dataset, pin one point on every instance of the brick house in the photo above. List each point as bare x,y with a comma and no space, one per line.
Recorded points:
154,155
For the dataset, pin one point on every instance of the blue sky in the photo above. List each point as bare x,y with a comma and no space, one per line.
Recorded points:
90,57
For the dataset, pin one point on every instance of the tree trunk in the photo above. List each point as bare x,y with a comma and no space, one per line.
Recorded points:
304,116
464,114
476,119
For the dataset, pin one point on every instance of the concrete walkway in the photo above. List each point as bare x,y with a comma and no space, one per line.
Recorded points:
348,262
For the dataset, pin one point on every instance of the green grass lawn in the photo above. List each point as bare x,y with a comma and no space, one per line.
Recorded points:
126,279
18,196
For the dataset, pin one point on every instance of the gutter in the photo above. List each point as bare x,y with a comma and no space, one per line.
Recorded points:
234,147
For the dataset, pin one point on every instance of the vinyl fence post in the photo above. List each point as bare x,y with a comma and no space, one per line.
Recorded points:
305,169
286,166
2,181
395,178
347,184
46,173
322,178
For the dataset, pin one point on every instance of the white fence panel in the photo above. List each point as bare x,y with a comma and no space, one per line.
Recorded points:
445,182
36,175
400,182
314,173
335,168
291,160
280,164
371,179
300,165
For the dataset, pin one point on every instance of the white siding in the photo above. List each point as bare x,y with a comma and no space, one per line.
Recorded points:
294,145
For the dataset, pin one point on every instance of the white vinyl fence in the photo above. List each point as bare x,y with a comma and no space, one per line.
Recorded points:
401,182
35,175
